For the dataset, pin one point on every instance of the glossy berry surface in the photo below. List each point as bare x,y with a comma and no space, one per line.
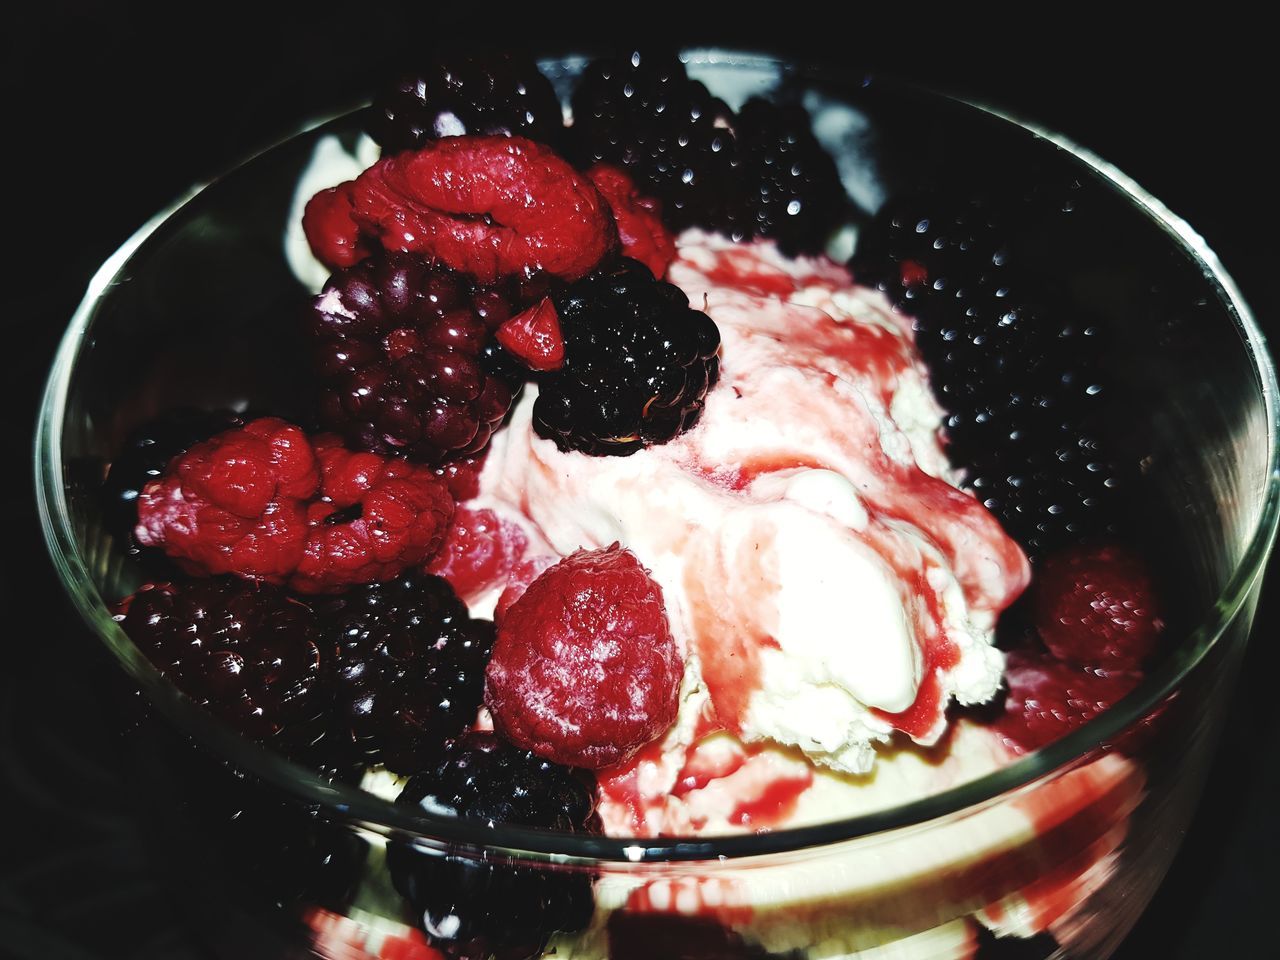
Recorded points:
397,347
585,671
473,909
638,363
1097,605
641,233
145,454
1047,698
248,652
640,111
1018,369
495,94
409,668
791,192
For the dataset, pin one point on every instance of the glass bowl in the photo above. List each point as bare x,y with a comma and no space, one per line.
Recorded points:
1056,853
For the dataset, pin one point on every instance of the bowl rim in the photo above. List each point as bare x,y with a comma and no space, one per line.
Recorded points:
384,817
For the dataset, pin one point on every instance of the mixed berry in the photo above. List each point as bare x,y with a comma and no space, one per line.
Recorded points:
321,581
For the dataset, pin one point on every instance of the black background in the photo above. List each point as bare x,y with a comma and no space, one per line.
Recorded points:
114,110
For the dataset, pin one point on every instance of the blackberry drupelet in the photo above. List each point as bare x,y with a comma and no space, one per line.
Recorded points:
640,111
409,669
146,453
472,909
398,346
1019,373
791,189
638,364
499,93
247,651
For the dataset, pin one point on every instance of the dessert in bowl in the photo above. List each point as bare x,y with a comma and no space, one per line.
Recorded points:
807,763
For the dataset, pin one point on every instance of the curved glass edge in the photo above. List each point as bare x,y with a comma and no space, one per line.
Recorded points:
380,816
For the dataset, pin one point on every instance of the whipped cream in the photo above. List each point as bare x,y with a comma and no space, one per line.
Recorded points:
827,581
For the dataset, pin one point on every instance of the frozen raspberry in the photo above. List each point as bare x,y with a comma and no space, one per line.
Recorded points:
533,337
235,503
266,503
375,517
330,226
585,671
486,206
479,553
473,909
409,669
462,476
1048,699
640,231
1097,606
247,652
523,574
638,364
501,94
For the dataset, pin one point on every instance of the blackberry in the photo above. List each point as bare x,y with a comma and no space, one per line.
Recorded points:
640,111
145,454
398,346
475,909
501,94
410,666
638,363
1018,370
791,189
246,651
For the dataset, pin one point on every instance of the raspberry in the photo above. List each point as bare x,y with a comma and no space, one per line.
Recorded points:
376,517
1048,699
638,363
479,552
502,94
470,908
1020,374
523,574
486,206
235,503
462,476
146,453
639,218
410,665
533,337
263,502
398,350
1097,606
585,671
246,651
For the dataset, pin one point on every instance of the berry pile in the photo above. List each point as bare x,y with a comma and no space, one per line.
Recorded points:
473,909
638,363
1020,375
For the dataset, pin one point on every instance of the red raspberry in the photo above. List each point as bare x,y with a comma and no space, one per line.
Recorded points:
639,219
1097,605
479,552
487,206
533,337
518,582
401,513
1048,699
234,504
462,476
585,671
264,502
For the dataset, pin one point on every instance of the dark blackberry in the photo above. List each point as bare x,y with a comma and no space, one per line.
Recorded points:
145,454
247,651
1019,371
410,666
638,364
398,347
791,189
454,95
476,909
640,111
